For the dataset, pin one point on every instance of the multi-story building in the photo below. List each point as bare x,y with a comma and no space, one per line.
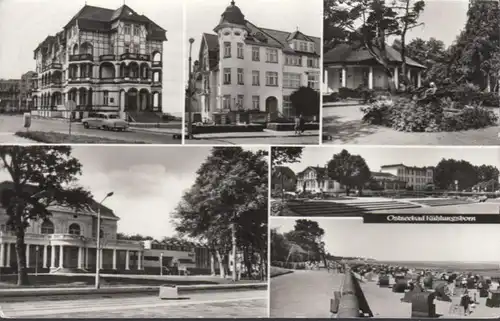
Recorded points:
103,60
9,95
246,69
387,181
28,85
314,179
416,177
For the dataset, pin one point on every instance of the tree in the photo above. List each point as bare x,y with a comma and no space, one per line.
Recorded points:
487,173
285,155
449,170
305,101
370,23
349,170
42,176
230,192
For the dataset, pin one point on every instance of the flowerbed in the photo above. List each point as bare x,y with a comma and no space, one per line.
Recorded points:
427,115
291,126
211,129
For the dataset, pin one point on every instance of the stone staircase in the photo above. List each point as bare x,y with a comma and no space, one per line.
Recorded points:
442,202
322,208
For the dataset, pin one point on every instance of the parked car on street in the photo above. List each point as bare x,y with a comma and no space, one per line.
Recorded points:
105,121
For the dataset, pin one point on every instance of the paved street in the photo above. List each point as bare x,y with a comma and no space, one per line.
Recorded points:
11,124
462,209
242,304
345,126
303,294
298,140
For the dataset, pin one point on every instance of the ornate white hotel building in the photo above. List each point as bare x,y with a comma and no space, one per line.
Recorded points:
66,242
245,67
103,60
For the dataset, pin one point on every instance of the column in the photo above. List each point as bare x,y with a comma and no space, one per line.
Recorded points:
325,80
77,97
344,77
86,257
419,79
61,256
80,257
396,77
101,256
408,74
27,255
2,255
8,254
139,260
138,107
114,259
78,71
45,247
370,78
53,257
127,260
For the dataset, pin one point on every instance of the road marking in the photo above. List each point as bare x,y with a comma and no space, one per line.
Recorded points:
121,307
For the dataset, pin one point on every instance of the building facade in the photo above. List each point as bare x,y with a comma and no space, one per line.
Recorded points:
387,181
416,177
103,60
27,86
246,69
314,180
9,95
352,66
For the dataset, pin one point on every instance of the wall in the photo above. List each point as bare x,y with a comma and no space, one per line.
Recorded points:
353,299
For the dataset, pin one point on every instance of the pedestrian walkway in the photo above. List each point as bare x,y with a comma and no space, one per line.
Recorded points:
263,134
11,138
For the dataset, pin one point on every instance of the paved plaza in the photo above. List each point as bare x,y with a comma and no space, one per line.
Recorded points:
235,304
344,124
304,294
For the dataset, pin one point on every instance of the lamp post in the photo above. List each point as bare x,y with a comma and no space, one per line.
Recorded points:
98,244
161,264
190,92
37,249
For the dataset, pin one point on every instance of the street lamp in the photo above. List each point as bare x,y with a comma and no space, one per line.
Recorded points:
37,249
98,243
161,263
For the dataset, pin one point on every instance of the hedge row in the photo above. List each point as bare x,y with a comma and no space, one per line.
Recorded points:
291,126
212,129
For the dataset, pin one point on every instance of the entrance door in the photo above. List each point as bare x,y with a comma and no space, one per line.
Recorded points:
272,107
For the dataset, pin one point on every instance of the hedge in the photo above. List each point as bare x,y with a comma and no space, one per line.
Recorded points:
291,126
61,138
212,129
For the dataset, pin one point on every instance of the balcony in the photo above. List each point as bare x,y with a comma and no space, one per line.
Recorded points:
157,64
67,238
80,80
81,57
52,66
107,58
133,56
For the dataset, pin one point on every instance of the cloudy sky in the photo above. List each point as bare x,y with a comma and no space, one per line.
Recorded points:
26,23
147,182
375,157
406,242
202,16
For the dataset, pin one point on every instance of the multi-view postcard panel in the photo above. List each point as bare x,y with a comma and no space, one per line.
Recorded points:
347,269
353,181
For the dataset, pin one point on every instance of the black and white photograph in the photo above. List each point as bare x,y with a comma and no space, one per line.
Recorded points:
354,180
132,232
347,269
254,72
411,72
91,72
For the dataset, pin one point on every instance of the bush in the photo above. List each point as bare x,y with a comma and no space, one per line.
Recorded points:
211,129
470,117
379,112
412,116
306,101
291,126
61,138
333,97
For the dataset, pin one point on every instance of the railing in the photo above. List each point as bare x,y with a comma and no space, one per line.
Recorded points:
53,65
81,57
157,64
66,237
352,300
107,58
133,56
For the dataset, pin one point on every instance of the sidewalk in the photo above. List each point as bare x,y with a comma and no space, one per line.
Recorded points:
265,134
11,138
156,130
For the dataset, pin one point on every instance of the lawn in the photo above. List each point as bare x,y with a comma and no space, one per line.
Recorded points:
277,271
60,138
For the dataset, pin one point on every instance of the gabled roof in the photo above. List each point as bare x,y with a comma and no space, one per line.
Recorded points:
356,53
409,167
321,171
32,189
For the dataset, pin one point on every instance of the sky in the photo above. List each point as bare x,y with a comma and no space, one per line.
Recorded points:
24,24
375,157
406,242
442,19
147,181
202,16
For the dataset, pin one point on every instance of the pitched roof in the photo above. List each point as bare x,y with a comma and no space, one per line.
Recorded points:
409,167
381,174
356,53
32,189
321,171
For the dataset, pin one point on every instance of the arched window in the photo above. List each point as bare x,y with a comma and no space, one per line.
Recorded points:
74,229
47,227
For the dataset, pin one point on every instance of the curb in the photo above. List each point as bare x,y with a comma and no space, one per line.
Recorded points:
265,136
280,274
221,287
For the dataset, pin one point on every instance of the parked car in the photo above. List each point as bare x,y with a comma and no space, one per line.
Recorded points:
105,121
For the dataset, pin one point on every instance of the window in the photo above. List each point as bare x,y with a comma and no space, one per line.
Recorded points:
227,76
240,76
255,53
313,81
240,50
293,60
255,78
272,55
74,229
127,29
227,50
137,30
311,47
303,46
256,102
313,62
111,49
271,78
226,100
239,101
127,47
106,98
291,80
47,227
